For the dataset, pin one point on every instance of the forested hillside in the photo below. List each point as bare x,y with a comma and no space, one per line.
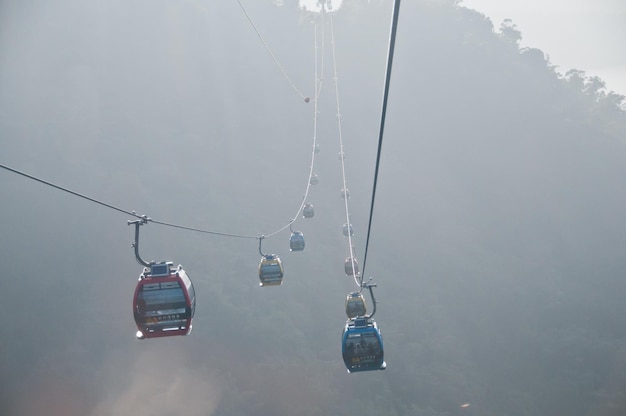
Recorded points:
498,234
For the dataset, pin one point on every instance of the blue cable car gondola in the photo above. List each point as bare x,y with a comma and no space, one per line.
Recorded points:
351,267
355,305
308,211
271,270
164,301
347,230
362,346
296,241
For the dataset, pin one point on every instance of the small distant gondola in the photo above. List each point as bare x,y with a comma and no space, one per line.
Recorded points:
355,305
362,346
308,211
164,301
296,241
345,193
271,270
347,230
351,267
316,149
314,179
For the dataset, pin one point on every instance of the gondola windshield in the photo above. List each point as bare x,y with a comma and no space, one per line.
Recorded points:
166,296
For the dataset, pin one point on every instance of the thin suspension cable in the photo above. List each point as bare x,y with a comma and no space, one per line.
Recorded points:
317,84
357,280
392,43
321,72
199,230
269,50
127,212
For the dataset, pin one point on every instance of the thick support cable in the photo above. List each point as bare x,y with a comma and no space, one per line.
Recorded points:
131,213
127,212
392,43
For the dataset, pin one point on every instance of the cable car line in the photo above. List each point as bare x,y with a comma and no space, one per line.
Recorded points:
362,344
199,230
269,50
348,226
318,90
392,43
315,147
26,175
127,212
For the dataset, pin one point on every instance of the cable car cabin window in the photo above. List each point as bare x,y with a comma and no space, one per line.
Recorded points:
162,309
271,270
164,296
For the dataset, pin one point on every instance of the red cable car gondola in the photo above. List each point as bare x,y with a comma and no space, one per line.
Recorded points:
164,302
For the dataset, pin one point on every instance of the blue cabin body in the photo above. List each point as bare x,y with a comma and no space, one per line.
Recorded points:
308,211
348,267
362,346
296,241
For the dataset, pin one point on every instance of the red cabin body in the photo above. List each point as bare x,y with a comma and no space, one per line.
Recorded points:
164,302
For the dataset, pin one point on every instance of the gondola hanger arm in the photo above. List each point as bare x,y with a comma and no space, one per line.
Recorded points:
138,223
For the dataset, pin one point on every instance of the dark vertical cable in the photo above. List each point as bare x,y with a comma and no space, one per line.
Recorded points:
392,43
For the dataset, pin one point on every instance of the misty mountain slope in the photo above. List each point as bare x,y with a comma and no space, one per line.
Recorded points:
497,240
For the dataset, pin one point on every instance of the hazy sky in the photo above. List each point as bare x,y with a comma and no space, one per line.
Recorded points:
583,34
314,5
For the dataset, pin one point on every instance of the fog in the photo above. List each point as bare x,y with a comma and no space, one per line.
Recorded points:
497,239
